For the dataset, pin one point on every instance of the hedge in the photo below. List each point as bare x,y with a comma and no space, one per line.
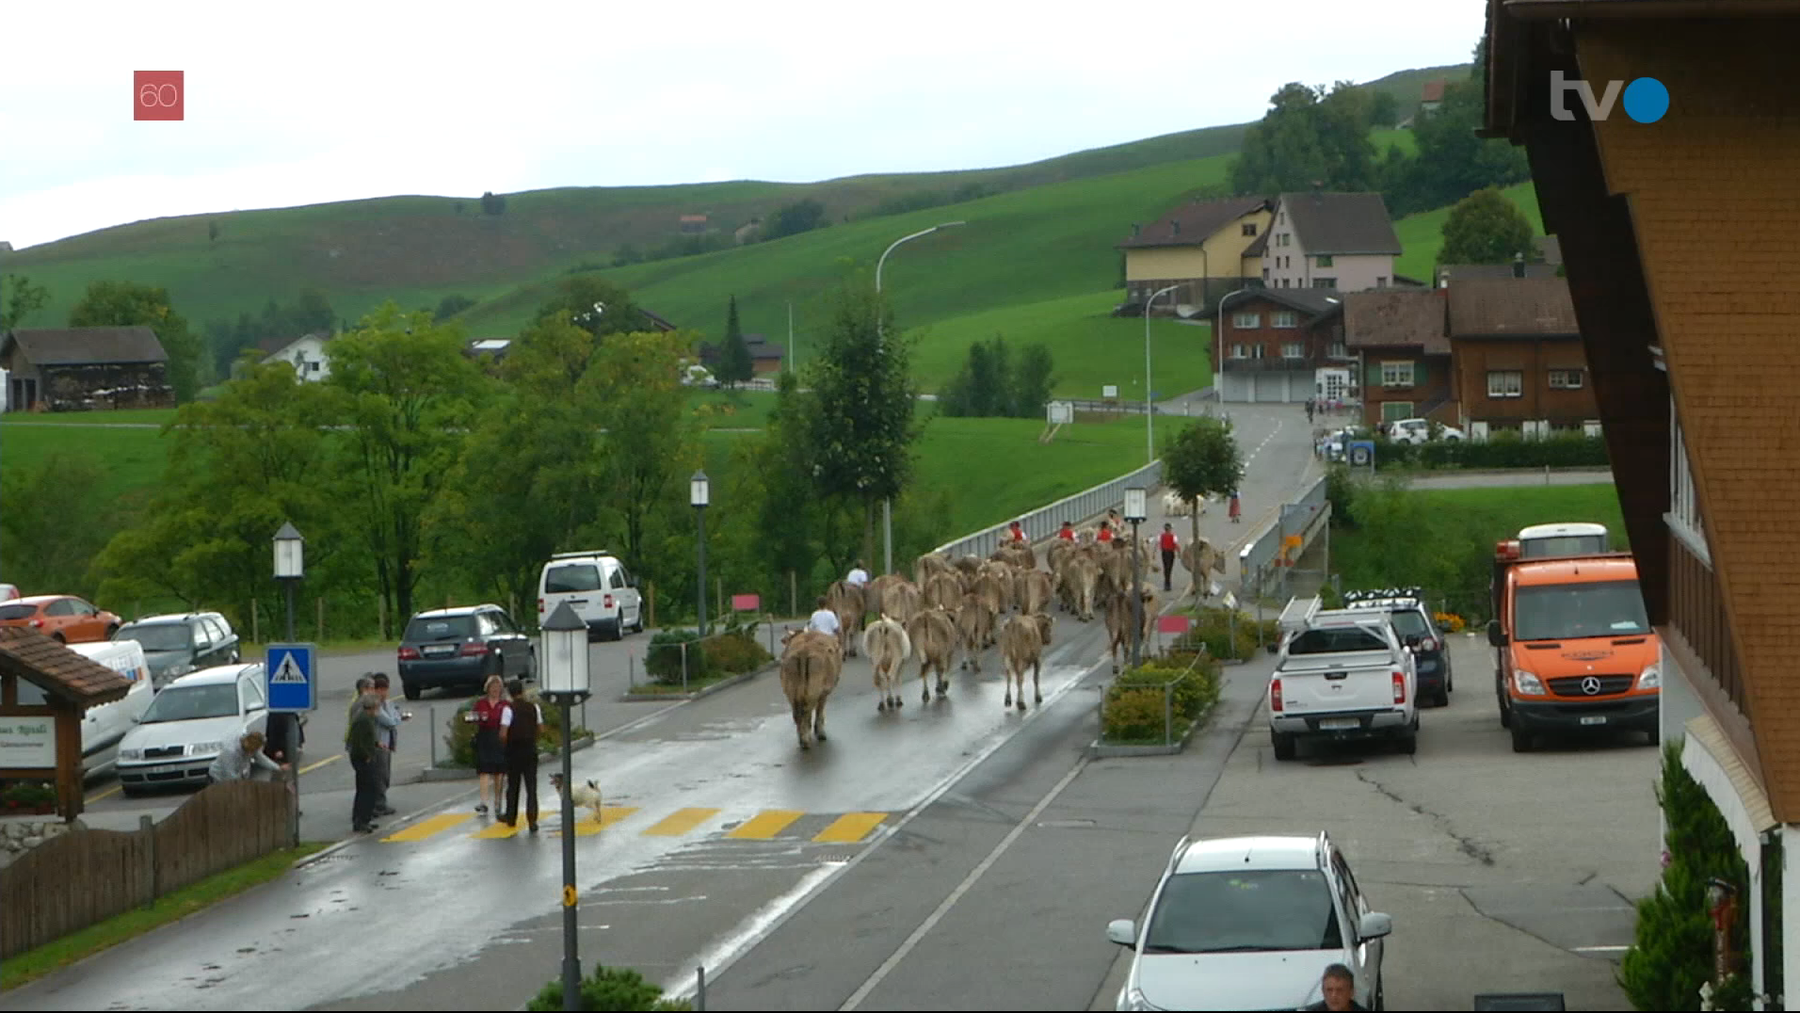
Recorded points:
609,988
1133,710
1504,449
1222,634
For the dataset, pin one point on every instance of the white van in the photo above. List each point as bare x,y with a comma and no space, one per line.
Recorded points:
105,725
598,587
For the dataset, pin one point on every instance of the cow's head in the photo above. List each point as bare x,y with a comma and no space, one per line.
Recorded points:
1045,623
788,634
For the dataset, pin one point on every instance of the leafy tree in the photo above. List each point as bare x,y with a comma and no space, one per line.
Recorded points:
311,313
793,219
19,298
1033,377
55,521
595,305
993,383
127,304
1201,459
212,231
492,203
1452,162
451,305
1309,135
1485,228
1384,109
652,441
735,365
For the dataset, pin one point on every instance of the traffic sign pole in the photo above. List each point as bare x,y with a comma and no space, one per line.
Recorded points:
292,687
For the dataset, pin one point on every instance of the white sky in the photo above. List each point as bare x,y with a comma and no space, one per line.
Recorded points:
327,100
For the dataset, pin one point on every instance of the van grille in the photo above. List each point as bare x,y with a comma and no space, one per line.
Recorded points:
1610,685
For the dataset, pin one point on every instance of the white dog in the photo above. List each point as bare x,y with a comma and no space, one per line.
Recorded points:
587,795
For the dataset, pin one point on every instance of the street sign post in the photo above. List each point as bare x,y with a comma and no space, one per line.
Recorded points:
293,682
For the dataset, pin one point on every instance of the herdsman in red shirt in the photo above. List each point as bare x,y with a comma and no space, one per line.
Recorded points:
1015,533
1105,532
1169,547
1067,533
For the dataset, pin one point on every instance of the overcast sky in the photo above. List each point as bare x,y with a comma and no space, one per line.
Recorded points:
331,100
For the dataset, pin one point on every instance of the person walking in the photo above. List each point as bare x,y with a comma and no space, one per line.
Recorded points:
488,716
1236,511
387,734
1170,546
519,734
363,749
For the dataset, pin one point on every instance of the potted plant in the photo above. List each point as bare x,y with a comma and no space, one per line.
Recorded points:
25,798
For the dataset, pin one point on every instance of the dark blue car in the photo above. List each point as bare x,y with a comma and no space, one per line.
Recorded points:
1419,632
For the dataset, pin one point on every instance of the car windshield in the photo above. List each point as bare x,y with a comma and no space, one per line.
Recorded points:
1409,623
17,611
159,636
1243,910
424,631
572,577
1335,639
193,703
1573,611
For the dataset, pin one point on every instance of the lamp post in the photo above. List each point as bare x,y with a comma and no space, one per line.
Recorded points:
290,566
566,682
1219,343
1150,409
887,505
1135,512
699,492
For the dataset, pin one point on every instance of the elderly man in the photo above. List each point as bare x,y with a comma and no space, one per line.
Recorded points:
365,748
1339,988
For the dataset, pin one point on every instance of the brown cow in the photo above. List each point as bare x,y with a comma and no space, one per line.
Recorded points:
1035,590
1022,642
992,592
1084,575
902,600
944,590
1119,622
933,633
1199,557
969,565
930,565
810,665
975,622
888,646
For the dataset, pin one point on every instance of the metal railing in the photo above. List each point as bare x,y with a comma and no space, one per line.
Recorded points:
1044,522
1264,564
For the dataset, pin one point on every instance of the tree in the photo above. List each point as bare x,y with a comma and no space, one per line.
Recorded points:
735,365
1384,109
1308,135
595,305
128,304
651,440
1452,161
793,219
451,305
1033,377
492,203
19,298
55,520
1485,228
995,384
1199,460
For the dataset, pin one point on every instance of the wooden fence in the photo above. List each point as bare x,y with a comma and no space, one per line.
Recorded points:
87,876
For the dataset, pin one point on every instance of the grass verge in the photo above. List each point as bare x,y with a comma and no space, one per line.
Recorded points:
51,957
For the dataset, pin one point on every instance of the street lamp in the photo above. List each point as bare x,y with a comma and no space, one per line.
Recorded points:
565,682
699,492
1219,344
1149,409
1135,512
887,505
290,566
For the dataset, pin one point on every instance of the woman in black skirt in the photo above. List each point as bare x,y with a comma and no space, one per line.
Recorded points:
490,753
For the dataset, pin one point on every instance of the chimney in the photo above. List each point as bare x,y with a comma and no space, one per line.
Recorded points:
1518,265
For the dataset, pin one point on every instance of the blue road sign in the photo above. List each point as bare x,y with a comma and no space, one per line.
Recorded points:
1362,453
293,684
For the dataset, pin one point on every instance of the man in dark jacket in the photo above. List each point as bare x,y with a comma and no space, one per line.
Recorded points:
363,749
519,734
1339,986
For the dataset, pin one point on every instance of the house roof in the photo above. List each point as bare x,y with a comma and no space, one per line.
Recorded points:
1549,248
1315,302
1258,246
1434,91
1341,224
271,347
1509,307
655,321
58,671
1195,222
762,348
85,346
1414,317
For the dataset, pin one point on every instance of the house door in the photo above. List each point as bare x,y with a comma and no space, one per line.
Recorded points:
1332,385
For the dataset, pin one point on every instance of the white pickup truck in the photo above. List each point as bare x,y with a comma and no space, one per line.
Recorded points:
1343,674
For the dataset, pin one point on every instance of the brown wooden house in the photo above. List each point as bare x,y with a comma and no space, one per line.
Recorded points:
1677,238
1520,364
83,368
1403,354
1276,340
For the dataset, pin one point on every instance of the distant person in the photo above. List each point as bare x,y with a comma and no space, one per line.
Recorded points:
823,620
1169,546
1106,534
1339,988
1067,533
363,685
519,734
387,733
363,747
858,576
1015,533
1236,510
490,756
240,760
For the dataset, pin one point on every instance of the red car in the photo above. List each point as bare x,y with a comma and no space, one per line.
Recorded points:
62,617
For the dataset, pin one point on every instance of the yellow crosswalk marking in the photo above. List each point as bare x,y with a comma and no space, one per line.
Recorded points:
765,825
499,830
587,826
850,828
425,828
683,821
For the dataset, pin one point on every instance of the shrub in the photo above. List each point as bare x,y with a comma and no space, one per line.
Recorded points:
1450,622
459,735
1503,450
673,652
1134,703
1134,715
610,988
1226,636
732,654
1195,689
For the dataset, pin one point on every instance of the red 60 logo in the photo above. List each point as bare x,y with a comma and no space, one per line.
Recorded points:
157,95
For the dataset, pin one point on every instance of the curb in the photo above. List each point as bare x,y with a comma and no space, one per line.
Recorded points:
1098,750
440,774
741,677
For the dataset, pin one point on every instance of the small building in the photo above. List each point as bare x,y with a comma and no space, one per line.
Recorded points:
1341,241
1520,362
306,353
693,225
765,356
85,368
41,739
1400,339
1432,96
1202,248
1276,341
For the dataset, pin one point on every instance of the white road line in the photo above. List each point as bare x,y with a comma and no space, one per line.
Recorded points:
1601,949
930,923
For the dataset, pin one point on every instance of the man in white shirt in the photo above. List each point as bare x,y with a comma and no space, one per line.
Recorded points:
823,620
858,577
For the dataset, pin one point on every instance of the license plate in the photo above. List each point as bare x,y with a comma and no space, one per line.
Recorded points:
1340,724
440,651
1594,719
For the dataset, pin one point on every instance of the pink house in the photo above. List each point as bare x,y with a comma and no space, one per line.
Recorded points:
1341,241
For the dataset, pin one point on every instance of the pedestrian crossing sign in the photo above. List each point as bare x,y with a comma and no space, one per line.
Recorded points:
291,683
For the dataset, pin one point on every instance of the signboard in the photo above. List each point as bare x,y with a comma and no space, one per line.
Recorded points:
28,743
1060,413
1176,625
1362,453
1110,391
745,602
292,683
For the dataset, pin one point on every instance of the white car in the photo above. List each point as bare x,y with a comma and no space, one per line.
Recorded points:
1419,430
1251,923
189,722
598,587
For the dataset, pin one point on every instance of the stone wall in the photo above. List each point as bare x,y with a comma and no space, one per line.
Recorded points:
19,834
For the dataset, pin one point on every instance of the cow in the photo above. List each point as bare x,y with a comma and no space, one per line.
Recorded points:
1084,579
1199,557
1035,590
1175,506
888,647
1119,621
901,599
933,633
1022,641
1018,554
975,624
875,592
992,592
969,565
810,665
944,590
930,565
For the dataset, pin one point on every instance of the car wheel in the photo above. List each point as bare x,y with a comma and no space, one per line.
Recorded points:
412,690
1408,744
614,630
58,637
1521,739
1285,746
130,791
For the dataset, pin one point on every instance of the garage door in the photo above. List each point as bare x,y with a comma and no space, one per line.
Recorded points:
1271,387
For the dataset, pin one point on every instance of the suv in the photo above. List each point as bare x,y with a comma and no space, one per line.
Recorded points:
180,643
1406,609
1251,923
598,587
461,647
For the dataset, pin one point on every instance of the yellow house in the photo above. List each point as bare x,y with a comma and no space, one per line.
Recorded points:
1204,247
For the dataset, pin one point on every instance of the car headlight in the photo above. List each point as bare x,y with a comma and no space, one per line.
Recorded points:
205,748
1528,683
1650,678
131,754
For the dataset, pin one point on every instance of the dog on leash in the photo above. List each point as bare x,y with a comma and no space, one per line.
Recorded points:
587,795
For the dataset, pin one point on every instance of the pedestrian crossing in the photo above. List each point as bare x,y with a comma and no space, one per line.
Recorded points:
763,825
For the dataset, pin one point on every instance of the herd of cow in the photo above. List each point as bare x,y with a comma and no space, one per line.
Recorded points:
971,604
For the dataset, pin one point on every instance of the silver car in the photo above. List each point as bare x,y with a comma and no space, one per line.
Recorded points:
1251,923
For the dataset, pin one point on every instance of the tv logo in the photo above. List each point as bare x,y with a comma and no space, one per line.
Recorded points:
1646,100
157,95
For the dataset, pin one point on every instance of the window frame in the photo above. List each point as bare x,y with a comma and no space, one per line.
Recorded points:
1394,379
1497,384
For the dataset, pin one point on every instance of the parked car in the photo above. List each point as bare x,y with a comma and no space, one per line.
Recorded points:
103,728
1251,923
461,647
1406,609
189,722
179,643
1420,430
1343,675
62,617
598,587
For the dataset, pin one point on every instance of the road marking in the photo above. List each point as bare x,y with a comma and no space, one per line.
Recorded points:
1601,949
498,830
850,828
309,768
765,825
968,882
95,798
587,826
425,828
683,821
